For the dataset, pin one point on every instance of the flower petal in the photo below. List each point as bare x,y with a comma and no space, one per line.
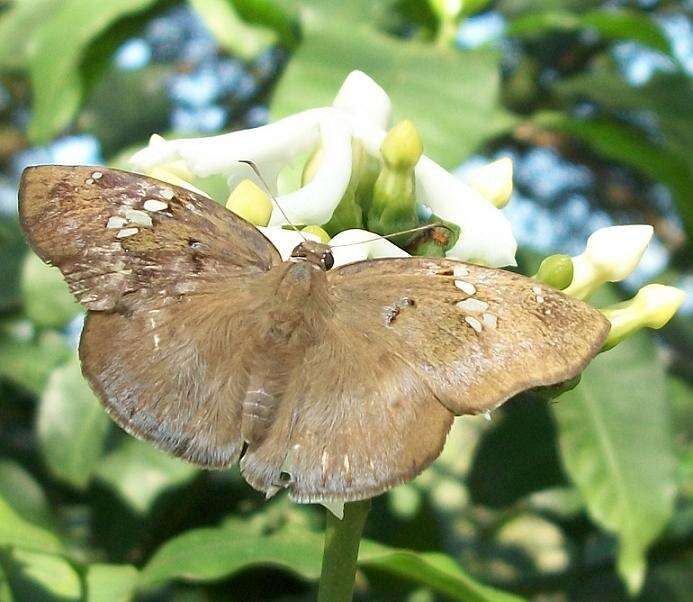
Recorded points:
315,202
611,254
360,245
363,98
486,233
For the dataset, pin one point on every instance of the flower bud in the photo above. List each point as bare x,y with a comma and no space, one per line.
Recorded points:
393,207
494,181
556,271
611,254
250,202
349,213
652,307
402,146
317,231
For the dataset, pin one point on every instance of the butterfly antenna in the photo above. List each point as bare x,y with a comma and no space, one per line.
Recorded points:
393,234
255,169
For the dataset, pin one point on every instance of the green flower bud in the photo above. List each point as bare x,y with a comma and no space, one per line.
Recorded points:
250,202
436,241
393,208
652,307
556,271
349,213
402,146
317,231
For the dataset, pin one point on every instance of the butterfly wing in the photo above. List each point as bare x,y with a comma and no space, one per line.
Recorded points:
113,232
408,345
477,335
165,342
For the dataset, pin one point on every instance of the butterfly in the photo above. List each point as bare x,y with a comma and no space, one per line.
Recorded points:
336,384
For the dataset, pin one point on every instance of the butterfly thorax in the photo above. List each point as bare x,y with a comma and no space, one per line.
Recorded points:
292,321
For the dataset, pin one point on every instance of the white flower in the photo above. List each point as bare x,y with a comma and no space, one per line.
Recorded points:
494,181
356,245
364,99
652,307
611,254
362,111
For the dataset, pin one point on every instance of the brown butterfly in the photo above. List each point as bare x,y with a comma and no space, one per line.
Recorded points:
335,384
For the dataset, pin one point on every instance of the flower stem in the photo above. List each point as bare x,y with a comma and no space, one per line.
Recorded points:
342,539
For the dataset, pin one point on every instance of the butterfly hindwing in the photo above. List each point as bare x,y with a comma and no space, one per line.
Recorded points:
476,335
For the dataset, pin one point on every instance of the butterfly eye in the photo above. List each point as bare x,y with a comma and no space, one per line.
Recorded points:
327,261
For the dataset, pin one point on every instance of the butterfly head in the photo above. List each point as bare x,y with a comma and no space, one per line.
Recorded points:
316,253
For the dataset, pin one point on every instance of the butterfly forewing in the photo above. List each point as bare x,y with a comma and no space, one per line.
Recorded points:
112,233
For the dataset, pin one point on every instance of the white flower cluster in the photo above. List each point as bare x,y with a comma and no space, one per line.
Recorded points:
360,112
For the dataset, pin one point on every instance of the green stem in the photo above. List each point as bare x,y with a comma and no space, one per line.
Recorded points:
342,539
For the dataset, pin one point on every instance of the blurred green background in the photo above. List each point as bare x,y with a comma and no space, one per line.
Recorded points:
588,497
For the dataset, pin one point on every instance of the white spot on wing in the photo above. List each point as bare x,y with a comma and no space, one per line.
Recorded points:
460,270
97,175
125,232
489,320
167,193
465,287
474,306
474,323
140,218
154,205
116,222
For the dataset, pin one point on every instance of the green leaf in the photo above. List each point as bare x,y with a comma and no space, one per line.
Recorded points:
517,455
666,98
280,17
615,442
232,33
452,97
138,473
12,248
5,592
214,553
19,25
29,363
613,24
71,426
432,569
59,46
111,582
48,301
16,531
42,578
24,494
626,145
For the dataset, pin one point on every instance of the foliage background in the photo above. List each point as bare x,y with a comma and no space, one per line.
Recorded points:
569,500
